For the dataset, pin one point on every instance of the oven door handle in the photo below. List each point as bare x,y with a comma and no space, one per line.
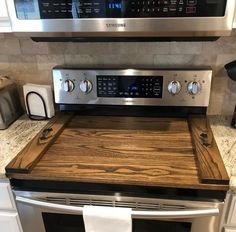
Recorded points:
136,214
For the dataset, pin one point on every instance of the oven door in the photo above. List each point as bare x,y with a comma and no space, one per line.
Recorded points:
63,212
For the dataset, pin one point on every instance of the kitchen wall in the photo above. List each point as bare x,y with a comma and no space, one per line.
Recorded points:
27,61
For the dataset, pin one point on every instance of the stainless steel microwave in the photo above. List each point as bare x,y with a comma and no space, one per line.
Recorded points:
130,18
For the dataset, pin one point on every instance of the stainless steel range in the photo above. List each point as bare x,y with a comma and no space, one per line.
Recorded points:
48,205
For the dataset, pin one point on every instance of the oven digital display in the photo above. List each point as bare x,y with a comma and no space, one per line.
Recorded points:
130,86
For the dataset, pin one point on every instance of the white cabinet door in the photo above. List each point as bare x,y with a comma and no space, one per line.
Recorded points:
5,25
9,222
6,199
232,212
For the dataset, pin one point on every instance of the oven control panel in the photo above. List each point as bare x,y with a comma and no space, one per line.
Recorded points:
60,9
132,86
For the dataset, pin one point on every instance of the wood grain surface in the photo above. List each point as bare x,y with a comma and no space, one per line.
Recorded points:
31,154
122,150
209,161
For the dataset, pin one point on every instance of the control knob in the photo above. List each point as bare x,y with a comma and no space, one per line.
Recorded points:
174,87
194,87
85,86
68,86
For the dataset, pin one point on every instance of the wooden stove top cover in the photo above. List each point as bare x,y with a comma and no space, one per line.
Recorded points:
130,150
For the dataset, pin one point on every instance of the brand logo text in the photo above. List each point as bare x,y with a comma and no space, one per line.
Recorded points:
116,25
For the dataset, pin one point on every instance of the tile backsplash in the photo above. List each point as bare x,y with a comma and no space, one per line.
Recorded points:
27,61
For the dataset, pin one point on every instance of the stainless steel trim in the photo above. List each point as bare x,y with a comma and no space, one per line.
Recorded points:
183,98
144,27
135,214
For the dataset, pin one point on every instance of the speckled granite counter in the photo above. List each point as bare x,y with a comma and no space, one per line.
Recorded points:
226,140
15,138
23,130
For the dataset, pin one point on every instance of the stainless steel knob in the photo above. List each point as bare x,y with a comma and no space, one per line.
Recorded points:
85,86
174,87
68,86
194,87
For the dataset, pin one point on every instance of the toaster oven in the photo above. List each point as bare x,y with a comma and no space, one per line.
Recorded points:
10,106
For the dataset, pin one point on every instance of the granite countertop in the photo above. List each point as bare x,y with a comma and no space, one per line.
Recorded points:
225,137
16,137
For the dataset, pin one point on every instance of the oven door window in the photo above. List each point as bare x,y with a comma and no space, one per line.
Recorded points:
73,223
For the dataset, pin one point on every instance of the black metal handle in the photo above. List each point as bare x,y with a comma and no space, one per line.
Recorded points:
45,134
204,138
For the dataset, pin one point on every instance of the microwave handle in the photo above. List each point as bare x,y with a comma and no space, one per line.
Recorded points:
136,214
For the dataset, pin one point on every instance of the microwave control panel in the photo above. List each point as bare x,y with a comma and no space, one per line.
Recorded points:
62,9
132,86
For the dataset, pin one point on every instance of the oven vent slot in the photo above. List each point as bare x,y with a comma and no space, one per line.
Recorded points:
79,202
122,204
173,207
56,200
113,203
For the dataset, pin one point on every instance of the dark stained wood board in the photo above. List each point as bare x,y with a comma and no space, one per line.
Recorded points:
35,149
210,164
123,150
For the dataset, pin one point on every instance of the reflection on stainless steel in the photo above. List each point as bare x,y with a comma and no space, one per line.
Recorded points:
142,27
204,216
182,97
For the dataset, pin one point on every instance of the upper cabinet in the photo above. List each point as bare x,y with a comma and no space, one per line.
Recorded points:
5,25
